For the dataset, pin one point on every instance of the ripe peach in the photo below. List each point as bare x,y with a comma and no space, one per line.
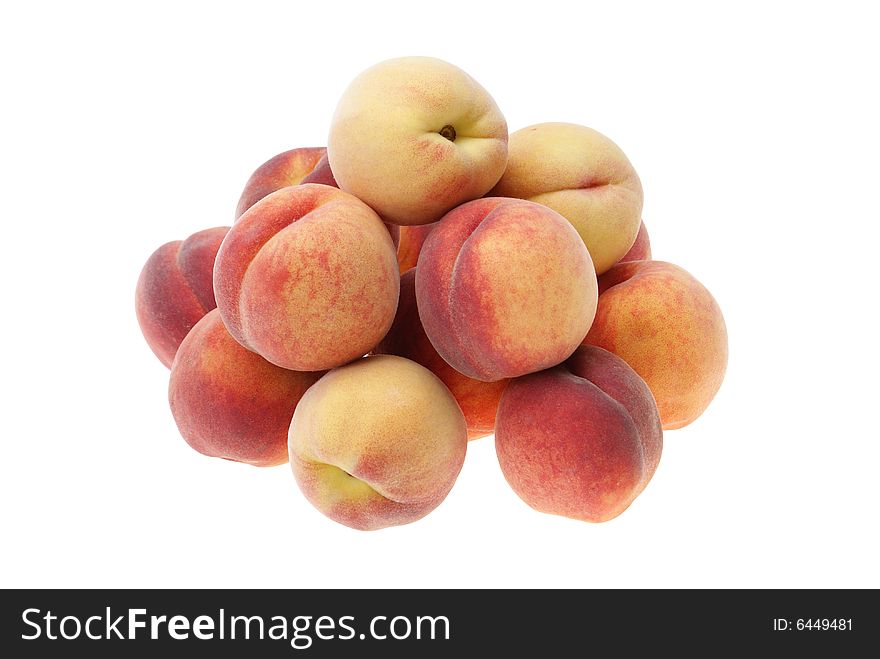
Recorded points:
414,137
229,402
175,290
504,287
584,176
378,442
308,278
406,338
669,328
287,168
580,440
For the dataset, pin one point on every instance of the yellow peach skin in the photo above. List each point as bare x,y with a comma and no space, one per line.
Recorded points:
504,287
669,328
414,137
582,175
376,443
307,278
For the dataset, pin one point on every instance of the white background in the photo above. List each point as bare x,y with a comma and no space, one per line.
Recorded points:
755,133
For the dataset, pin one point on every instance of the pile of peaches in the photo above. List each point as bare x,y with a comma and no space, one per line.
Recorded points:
425,280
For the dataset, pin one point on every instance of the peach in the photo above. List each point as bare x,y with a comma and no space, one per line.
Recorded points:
504,287
669,328
584,176
287,168
406,338
414,137
175,290
411,241
641,249
229,402
580,440
378,442
308,278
